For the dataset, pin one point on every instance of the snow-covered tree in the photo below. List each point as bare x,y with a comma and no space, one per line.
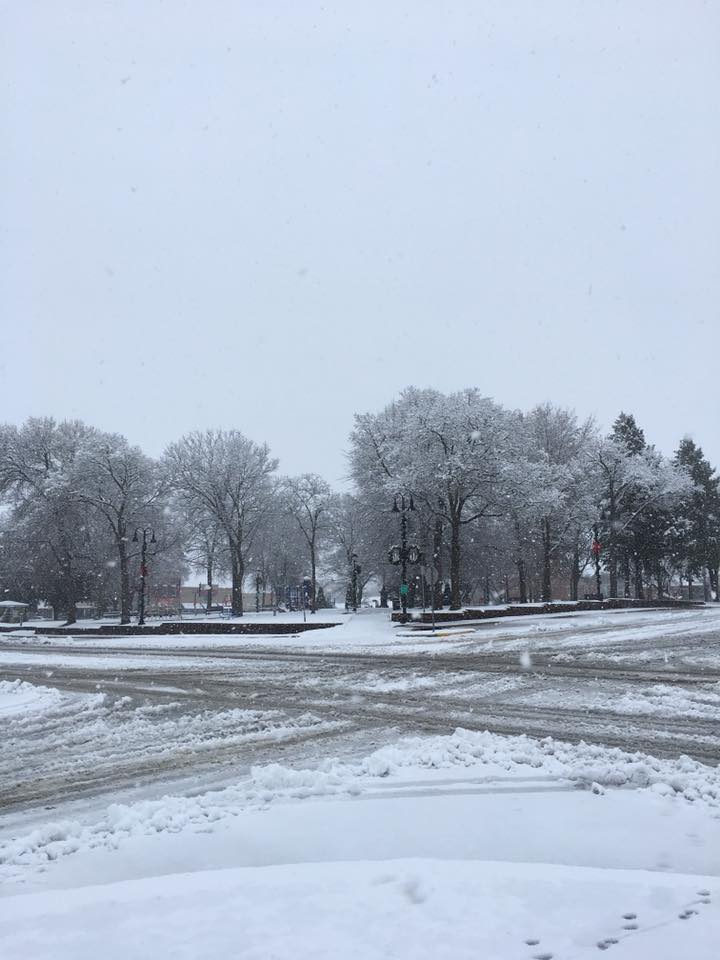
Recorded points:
555,486
205,547
635,480
279,552
38,478
227,477
357,529
449,451
127,491
698,517
309,500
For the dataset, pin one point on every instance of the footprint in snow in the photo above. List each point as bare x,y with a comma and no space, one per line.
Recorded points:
414,891
542,956
686,914
607,942
629,916
532,943
703,893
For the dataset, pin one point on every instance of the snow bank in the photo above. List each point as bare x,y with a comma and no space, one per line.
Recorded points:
586,766
18,698
583,764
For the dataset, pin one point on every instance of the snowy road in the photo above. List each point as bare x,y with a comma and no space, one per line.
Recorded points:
138,714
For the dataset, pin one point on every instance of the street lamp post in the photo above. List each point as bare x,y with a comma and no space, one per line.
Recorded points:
404,554
143,565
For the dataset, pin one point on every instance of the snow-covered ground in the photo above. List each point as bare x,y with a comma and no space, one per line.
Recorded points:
370,630
20,700
306,796
329,615
460,846
144,711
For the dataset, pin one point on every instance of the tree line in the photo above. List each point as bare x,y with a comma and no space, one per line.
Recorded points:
506,496
507,504
75,501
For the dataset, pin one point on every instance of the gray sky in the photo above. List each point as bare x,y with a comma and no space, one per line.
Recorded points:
270,215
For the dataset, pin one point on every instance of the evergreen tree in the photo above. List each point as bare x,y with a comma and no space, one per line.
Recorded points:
632,538
626,430
698,529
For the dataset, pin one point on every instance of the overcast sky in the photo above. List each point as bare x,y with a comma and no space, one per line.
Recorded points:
271,215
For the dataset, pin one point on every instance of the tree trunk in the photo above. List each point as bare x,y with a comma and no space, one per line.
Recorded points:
238,575
626,574
70,586
125,605
612,552
546,573
208,605
71,613
313,581
690,586
522,582
437,560
575,572
713,575
455,596
639,592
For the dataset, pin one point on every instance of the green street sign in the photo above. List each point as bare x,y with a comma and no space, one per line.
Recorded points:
404,589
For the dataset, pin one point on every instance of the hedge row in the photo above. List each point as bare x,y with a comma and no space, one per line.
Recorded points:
533,609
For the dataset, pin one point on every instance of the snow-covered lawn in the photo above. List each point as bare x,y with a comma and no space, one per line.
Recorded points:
406,908
470,845
625,633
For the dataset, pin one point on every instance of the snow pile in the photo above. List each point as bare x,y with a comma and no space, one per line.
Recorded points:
662,699
274,781
584,764
18,698
47,843
268,784
172,814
